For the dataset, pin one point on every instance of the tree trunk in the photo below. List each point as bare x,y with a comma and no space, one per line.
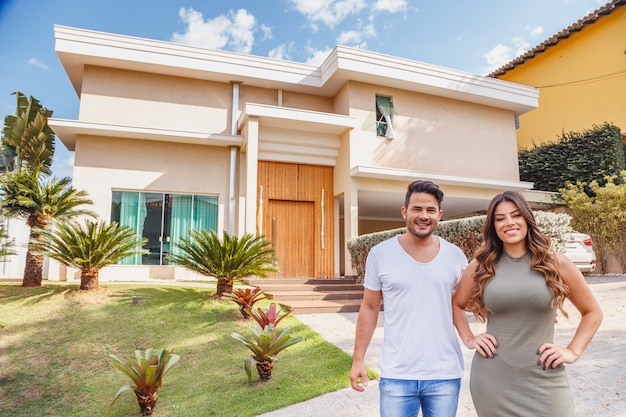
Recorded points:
224,285
33,269
89,279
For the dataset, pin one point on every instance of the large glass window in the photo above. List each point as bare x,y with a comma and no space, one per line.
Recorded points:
163,219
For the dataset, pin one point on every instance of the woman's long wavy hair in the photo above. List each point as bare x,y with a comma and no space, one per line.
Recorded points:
489,253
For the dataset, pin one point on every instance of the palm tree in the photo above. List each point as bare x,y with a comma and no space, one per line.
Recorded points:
226,259
27,196
28,141
89,247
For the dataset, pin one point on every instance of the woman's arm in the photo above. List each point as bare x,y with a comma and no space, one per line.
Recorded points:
484,343
582,298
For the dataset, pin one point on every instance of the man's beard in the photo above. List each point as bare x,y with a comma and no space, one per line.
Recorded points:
420,233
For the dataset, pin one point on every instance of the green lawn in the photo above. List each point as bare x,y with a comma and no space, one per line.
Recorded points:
55,343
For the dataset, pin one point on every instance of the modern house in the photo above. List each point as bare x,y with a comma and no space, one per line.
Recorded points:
171,137
581,72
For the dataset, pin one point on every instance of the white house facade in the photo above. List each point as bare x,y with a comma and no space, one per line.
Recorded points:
171,137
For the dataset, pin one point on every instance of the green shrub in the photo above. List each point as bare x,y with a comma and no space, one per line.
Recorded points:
589,155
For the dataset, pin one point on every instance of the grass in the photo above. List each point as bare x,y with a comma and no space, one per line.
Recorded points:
55,343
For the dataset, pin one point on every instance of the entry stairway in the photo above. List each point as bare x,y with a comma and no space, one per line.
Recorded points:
312,296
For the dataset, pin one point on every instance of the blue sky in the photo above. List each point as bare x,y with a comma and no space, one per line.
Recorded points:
476,36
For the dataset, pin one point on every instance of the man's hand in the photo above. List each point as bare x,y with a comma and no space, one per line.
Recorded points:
358,376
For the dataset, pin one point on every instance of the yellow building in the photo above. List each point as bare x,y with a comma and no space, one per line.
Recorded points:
580,73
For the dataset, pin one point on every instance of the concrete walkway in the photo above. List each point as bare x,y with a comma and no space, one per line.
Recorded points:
598,379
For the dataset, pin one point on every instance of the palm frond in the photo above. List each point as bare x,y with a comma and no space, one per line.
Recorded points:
89,246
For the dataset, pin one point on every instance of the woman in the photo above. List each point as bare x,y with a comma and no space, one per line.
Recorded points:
516,283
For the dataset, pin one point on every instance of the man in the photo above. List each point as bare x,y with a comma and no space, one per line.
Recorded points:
416,273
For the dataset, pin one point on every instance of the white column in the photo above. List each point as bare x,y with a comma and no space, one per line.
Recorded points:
252,164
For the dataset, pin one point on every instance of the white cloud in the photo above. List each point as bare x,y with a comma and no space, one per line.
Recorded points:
317,55
498,56
521,45
329,12
35,62
267,32
358,37
234,31
535,31
501,54
391,6
282,51
348,37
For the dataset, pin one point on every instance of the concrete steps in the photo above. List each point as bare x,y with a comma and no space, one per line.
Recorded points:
312,296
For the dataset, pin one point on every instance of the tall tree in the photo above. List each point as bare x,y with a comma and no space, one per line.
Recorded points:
28,196
28,141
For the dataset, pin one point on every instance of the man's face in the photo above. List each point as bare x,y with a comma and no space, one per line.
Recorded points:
422,215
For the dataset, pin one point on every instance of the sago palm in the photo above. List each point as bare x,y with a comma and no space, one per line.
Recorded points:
27,195
89,247
227,258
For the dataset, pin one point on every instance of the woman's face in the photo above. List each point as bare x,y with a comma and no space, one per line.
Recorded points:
510,224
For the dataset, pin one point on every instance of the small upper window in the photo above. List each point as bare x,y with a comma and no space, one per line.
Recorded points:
384,110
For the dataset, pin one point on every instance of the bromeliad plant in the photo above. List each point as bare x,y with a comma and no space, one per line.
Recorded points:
146,372
246,298
265,344
265,317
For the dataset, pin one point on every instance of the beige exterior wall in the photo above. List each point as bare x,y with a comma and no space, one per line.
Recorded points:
106,164
434,135
581,81
129,98
309,102
371,226
283,98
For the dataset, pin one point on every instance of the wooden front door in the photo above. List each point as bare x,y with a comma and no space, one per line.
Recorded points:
293,237
295,210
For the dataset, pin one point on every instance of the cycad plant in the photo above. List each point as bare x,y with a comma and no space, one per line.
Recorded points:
225,259
265,344
89,247
245,298
146,371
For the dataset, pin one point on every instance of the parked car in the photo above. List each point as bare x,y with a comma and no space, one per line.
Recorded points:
580,250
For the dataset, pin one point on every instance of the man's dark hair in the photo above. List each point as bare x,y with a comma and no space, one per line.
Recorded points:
423,186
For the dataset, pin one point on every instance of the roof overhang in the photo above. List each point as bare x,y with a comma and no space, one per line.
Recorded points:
442,179
77,48
297,119
68,130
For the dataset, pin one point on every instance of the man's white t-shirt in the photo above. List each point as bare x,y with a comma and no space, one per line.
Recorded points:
419,339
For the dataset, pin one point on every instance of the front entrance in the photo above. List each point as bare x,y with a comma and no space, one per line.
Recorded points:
292,236
295,211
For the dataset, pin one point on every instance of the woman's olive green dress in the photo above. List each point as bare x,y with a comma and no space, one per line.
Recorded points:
521,319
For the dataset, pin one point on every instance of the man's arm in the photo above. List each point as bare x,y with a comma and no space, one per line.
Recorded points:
365,326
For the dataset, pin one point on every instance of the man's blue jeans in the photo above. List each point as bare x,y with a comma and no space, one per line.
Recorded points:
403,398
